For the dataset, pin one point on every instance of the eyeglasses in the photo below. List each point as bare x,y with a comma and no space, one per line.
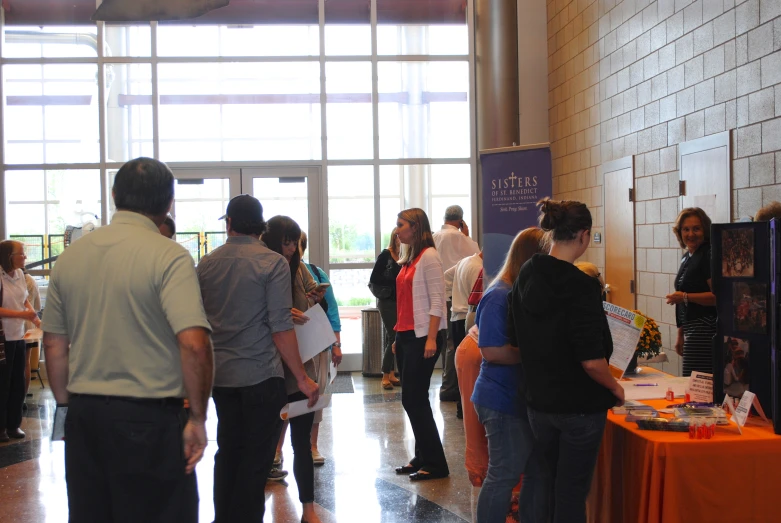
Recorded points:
18,254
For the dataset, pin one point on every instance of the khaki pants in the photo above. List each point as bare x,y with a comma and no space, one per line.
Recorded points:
322,363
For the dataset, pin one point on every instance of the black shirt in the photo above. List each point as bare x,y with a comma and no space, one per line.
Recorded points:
557,321
385,271
693,276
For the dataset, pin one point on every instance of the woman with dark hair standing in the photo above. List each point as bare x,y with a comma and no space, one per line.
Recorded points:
420,337
383,285
15,309
557,321
283,235
695,303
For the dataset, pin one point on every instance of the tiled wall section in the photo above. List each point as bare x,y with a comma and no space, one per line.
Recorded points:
637,77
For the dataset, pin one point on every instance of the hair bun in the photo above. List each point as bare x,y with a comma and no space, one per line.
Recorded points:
563,219
552,214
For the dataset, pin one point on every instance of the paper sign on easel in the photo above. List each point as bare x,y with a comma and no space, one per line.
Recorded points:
741,412
701,387
625,329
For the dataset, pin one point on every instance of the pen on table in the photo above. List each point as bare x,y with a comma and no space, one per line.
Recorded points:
645,384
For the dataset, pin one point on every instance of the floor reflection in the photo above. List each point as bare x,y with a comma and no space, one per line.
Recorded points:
364,436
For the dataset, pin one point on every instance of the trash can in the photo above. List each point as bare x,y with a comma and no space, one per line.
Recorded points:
373,332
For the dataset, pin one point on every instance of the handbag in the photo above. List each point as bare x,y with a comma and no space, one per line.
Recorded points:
381,292
384,292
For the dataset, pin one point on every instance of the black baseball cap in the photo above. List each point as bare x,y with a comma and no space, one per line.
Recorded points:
245,211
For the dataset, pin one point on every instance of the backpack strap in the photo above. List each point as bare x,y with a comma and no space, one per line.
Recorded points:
316,272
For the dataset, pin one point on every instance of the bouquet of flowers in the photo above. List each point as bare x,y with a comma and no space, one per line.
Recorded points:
650,343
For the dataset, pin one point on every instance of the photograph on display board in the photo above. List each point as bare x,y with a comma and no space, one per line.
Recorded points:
737,247
736,366
749,305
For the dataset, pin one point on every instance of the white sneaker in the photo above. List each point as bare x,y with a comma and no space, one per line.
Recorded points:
317,458
278,459
277,474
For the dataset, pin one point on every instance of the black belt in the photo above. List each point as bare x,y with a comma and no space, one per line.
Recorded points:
162,402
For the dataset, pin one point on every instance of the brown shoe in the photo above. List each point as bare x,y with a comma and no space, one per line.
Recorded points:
386,384
394,380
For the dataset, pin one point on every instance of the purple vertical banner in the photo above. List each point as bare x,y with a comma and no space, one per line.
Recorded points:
514,180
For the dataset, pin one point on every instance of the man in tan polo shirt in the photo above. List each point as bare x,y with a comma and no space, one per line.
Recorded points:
126,338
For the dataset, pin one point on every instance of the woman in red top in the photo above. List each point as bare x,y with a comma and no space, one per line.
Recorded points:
420,337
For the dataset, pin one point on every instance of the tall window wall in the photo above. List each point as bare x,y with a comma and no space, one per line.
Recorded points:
378,100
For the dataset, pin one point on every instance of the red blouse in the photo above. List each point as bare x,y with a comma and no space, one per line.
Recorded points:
405,320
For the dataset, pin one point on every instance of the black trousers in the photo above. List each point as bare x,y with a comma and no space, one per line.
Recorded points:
124,461
416,374
248,429
388,314
448,391
300,439
12,385
458,332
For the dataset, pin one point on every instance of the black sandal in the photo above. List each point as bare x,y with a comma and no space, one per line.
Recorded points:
407,469
423,475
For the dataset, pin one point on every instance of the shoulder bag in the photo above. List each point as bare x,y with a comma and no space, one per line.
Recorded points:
383,292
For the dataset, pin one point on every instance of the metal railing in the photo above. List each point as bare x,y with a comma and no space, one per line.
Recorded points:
33,246
214,239
192,242
200,243
56,244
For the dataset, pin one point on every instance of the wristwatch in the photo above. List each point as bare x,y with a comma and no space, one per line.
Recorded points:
337,344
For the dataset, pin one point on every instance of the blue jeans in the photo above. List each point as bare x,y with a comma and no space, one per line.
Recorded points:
510,441
562,464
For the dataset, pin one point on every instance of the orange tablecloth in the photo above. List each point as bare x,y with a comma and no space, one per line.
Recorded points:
654,477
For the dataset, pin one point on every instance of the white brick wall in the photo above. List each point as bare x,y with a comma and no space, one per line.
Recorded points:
638,77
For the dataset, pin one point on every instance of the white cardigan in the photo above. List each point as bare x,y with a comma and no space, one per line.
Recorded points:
428,292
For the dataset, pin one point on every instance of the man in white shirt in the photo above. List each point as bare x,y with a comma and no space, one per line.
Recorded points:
452,240
453,244
459,281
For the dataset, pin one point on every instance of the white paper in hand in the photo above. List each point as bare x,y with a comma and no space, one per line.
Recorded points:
316,335
297,408
58,426
331,371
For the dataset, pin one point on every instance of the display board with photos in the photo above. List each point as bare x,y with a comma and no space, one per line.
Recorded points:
741,281
775,325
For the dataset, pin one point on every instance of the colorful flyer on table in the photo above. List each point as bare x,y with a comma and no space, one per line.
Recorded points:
625,328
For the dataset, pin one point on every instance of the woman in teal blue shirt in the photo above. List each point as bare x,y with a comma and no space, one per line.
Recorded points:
332,311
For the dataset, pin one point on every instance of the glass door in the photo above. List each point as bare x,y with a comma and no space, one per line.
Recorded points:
293,192
200,199
299,192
